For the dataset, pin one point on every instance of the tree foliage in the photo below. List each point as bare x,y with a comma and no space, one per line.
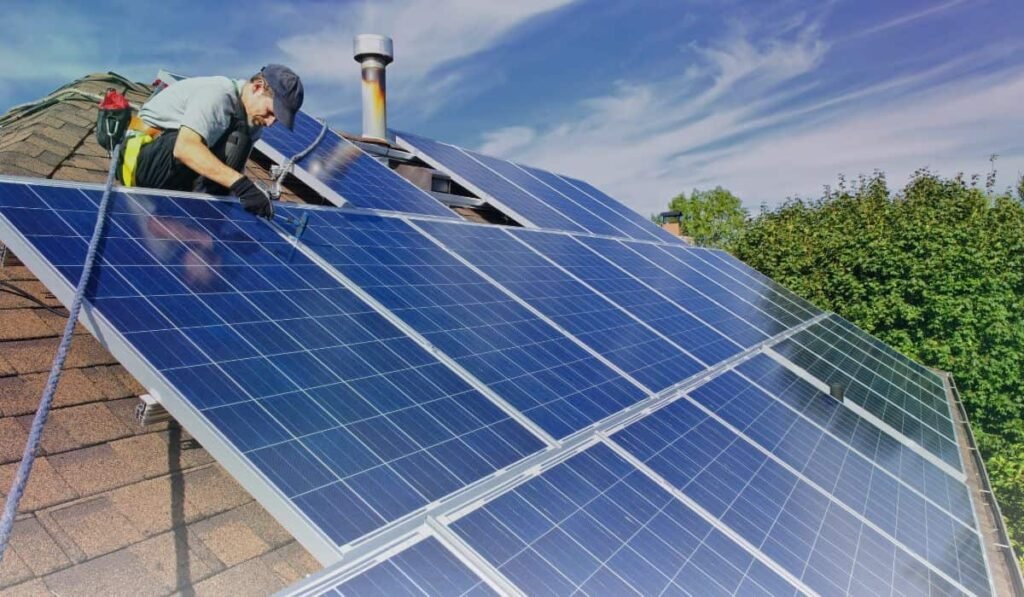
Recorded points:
937,271
712,218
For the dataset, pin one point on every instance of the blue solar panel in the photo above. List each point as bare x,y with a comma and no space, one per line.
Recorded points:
623,289
866,386
426,568
867,489
557,384
742,272
470,173
341,171
342,414
621,209
766,299
888,357
627,226
596,525
881,448
604,327
727,323
754,308
812,534
548,196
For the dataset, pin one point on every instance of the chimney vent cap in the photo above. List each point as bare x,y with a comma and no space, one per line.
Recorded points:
371,44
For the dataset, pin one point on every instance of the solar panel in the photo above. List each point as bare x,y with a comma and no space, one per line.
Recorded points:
899,403
319,405
425,568
861,435
863,532
452,408
548,196
753,307
729,324
554,382
628,227
731,266
599,323
597,525
625,212
344,173
464,167
688,332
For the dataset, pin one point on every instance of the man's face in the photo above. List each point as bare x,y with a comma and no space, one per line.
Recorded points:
259,106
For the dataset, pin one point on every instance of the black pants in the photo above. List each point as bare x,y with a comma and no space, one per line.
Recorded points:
157,168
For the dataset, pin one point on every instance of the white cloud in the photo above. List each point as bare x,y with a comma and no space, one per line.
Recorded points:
427,33
644,144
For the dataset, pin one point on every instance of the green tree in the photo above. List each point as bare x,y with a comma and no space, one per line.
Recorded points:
937,271
712,218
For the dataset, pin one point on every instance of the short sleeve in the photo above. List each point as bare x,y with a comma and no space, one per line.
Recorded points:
208,112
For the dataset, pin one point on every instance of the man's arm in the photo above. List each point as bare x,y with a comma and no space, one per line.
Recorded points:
191,150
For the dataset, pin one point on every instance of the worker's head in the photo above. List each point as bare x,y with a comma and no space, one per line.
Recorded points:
273,94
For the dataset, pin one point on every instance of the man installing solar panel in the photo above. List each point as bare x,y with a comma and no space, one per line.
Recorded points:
196,134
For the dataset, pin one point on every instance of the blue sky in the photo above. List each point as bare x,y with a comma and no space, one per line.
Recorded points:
643,99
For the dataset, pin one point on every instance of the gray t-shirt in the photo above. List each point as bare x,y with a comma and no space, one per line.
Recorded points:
203,104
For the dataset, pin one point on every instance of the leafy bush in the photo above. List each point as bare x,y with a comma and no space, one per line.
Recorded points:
937,271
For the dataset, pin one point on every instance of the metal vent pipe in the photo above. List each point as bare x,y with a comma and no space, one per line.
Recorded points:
374,52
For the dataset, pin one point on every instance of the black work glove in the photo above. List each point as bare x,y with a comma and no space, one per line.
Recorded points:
252,198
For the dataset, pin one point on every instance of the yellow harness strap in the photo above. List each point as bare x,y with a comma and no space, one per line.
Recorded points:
132,148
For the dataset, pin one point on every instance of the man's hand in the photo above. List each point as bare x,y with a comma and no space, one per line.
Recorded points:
252,198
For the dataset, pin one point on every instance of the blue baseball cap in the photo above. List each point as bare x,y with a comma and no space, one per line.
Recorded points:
288,92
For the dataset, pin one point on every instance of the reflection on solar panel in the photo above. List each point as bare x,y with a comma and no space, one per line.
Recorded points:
686,331
542,373
597,525
753,307
608,330
535,197
426,568
838,524
731,266
347,421
625,212
729,324
450,408
914,411
345,174
465,168
862,436
640,230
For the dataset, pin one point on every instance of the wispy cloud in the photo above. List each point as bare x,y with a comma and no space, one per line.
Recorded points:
908,18
739,126
430,35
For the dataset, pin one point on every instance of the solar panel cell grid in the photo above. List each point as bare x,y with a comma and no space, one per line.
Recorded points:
714,315
899,410
348,171
742,272
766,299
809,534
601,197
625,226
322,415
588,316
465,167
752,311
686,331
862,436
426,568
596,525
550,379
824,460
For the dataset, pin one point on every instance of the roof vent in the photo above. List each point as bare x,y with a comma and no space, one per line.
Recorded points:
374,52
